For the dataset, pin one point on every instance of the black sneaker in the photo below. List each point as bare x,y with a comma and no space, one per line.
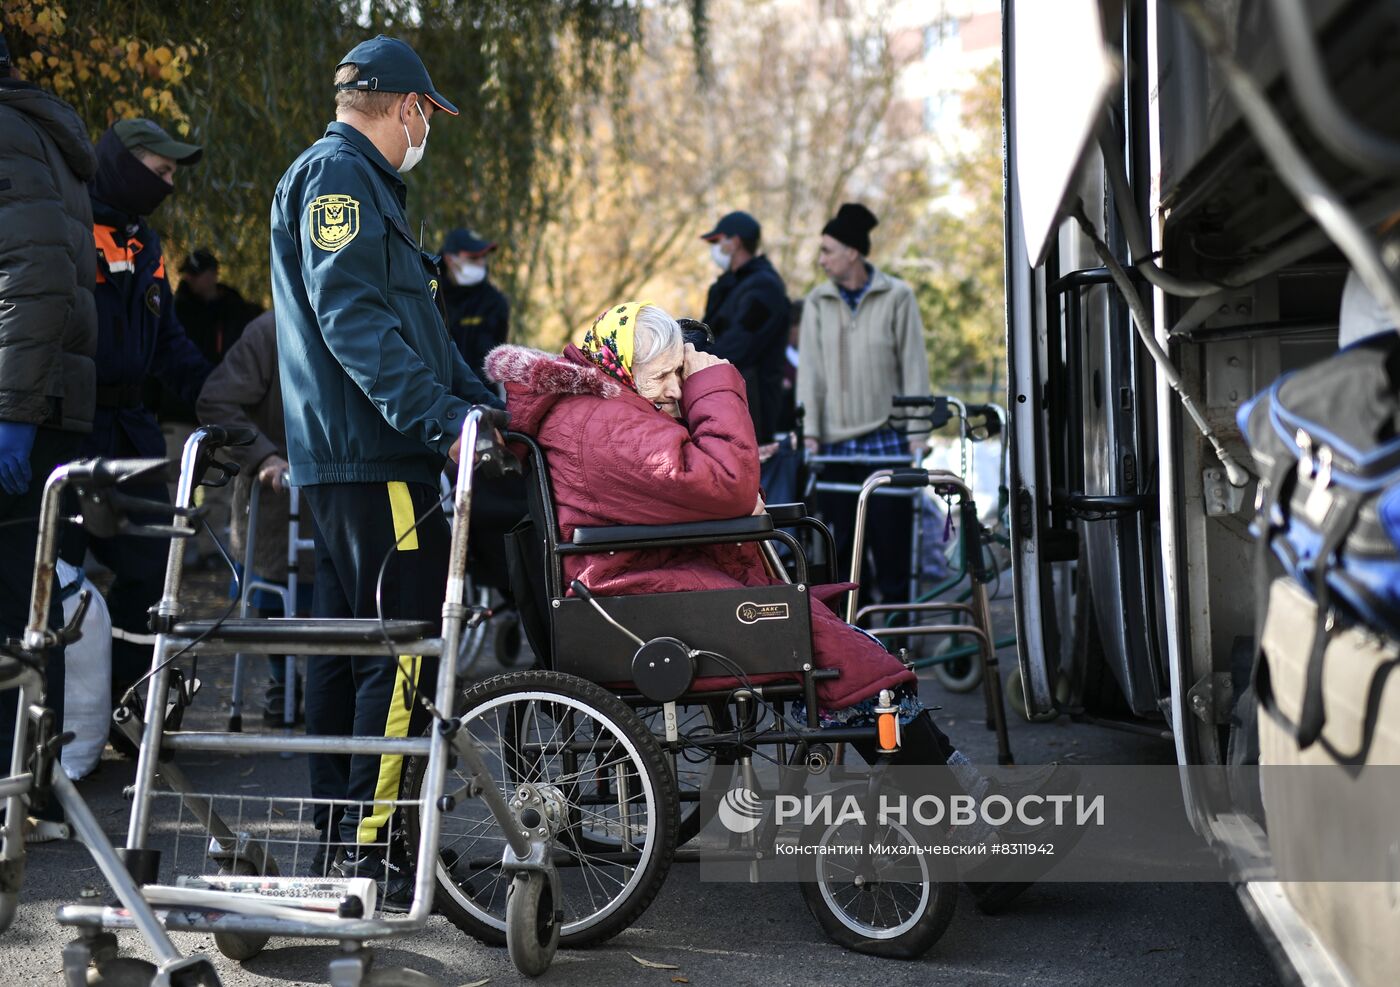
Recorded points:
394,877
319,866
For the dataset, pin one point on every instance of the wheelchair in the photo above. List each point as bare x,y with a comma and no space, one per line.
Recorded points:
625,788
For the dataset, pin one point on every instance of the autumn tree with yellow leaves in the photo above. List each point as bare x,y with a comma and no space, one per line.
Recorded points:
251,81
108,74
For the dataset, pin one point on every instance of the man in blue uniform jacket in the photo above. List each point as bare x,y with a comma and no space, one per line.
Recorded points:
375,395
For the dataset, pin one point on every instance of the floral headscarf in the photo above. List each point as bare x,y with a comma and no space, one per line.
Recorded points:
611,343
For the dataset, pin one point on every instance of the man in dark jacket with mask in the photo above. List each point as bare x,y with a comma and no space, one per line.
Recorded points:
748,310
138,335
478,313
48,334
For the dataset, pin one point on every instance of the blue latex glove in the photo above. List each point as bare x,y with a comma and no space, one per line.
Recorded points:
16,442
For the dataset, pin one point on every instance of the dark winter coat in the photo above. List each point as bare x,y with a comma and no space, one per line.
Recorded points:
138,336
749,311
615,459
478,318
48,322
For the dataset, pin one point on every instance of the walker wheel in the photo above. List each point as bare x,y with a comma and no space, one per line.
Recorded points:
961,674
239,946
532,932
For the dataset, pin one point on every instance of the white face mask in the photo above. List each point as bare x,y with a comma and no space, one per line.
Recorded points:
469,274
718,255
414,154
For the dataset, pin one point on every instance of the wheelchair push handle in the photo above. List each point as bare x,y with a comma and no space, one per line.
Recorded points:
493,459
493,417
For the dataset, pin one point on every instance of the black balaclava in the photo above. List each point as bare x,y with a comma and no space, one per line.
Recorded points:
123,182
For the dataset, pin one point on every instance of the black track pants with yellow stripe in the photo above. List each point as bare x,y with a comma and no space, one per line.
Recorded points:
357,525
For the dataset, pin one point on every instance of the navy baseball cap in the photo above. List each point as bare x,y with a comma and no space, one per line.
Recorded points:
464,241
388,65
739,224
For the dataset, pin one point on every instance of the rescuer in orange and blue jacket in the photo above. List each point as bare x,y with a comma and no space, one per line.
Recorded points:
138,335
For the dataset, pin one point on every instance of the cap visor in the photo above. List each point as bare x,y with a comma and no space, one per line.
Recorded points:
712,236
182,153
481,251
442,103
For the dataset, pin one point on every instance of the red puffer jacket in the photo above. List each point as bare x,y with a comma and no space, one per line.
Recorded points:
615,459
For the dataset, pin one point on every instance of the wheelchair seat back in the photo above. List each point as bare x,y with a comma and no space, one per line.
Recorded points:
759,630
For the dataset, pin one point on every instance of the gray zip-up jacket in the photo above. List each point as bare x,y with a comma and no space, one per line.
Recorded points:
48,264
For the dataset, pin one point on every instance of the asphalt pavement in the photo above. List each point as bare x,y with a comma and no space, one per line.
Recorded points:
728,934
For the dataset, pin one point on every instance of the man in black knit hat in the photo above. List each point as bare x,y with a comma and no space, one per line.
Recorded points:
862,343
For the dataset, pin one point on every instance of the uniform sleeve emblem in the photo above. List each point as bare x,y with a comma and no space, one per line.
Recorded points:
333,220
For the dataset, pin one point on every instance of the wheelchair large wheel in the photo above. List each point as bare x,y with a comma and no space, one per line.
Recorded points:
896,906
585,750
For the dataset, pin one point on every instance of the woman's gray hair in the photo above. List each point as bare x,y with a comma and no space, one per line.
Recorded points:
657,333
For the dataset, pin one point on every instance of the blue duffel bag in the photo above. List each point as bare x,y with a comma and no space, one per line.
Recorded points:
1326,444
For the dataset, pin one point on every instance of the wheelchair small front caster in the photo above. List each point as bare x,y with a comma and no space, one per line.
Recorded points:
532,926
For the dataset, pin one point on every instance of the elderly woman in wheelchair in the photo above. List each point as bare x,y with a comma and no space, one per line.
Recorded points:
644,485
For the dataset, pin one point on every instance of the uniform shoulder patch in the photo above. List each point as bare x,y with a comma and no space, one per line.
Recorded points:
333,220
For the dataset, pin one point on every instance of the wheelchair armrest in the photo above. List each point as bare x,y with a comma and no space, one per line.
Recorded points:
691,531
783,514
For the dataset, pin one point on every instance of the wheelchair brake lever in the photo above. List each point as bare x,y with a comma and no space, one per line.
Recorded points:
583,593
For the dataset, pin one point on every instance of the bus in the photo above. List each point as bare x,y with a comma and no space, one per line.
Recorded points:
1193,189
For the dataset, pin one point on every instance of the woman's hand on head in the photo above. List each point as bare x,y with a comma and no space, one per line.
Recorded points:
695,360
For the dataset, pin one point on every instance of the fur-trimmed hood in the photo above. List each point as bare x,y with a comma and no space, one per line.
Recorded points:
536,381
538,371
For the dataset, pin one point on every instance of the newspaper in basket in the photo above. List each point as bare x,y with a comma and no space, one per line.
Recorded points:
300,898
